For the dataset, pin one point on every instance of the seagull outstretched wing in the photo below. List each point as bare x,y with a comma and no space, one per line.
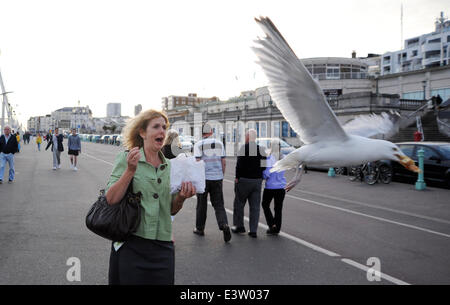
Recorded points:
297,95
372,125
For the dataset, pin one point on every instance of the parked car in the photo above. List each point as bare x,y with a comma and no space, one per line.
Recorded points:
436,161
118,141
104,139
284,147
187,143
112,139
96,138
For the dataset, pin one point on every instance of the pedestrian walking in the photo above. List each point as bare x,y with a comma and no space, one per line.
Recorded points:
74,146
274,189
148,256
212,152
18,141
248,180
56,143
8,147
38,141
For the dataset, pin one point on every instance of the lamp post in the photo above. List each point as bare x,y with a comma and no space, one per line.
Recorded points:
270,121
420,184
424,85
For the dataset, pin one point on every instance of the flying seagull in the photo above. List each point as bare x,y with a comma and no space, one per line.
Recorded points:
302,103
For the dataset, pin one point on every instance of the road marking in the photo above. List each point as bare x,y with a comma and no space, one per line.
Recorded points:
326,252
101,160
365,215
366,269
305,243
377,207
374,206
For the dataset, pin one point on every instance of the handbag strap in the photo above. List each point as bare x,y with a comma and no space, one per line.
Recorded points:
130,185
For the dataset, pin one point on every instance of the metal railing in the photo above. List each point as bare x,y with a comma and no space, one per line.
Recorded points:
417,105
443,127
341,75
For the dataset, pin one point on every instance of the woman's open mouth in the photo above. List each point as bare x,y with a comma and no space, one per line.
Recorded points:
159,140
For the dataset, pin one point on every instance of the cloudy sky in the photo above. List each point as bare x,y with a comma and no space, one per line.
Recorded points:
54,53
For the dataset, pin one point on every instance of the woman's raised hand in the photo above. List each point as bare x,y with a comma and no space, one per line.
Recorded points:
133,158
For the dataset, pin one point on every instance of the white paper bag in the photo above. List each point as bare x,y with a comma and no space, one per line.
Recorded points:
187,169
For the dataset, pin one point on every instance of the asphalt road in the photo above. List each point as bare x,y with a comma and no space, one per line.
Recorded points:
333,230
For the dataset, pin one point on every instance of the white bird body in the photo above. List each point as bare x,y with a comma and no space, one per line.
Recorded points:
354,151
302,103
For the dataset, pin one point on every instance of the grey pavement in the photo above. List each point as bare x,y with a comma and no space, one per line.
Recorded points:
331,227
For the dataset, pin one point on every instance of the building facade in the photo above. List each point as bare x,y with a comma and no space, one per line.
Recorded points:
421,52
42,123
72,117
338,75
137,109
418,84
113,110
173,101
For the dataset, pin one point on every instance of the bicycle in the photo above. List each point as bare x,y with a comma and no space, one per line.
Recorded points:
371,173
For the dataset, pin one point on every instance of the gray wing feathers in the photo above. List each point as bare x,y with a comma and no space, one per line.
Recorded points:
374,126
297,95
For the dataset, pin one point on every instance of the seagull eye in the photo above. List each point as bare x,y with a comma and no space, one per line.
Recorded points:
394,149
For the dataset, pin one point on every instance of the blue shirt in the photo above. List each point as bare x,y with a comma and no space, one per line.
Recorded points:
274,180
74,142
211,151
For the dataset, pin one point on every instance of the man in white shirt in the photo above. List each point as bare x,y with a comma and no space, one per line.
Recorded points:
212,152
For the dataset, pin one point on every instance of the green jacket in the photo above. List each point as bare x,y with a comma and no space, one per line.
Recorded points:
154,184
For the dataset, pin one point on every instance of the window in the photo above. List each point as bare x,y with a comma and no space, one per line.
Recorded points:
284,129
333,72
407,150
434,40
262,129
293,134
319,69
445,150
414,53
276,129
418,95
428,153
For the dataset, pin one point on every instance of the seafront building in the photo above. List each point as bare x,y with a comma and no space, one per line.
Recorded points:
402,81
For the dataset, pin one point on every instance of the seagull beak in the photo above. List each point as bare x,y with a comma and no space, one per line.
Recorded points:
408,163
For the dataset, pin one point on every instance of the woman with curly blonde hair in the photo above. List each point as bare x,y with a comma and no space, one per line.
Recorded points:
148,256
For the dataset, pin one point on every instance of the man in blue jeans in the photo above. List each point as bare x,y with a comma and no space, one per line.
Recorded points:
8,147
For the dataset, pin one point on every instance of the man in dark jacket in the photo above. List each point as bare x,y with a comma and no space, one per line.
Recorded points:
56,142
249,173
8,147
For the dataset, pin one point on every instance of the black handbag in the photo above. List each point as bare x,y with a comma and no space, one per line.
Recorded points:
118,221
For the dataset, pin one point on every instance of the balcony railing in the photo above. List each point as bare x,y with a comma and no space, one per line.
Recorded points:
344,75
406,104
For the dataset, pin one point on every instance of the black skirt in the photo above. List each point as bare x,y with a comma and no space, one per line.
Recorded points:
141,261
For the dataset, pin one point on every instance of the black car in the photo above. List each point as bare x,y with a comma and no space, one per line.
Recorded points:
436,161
